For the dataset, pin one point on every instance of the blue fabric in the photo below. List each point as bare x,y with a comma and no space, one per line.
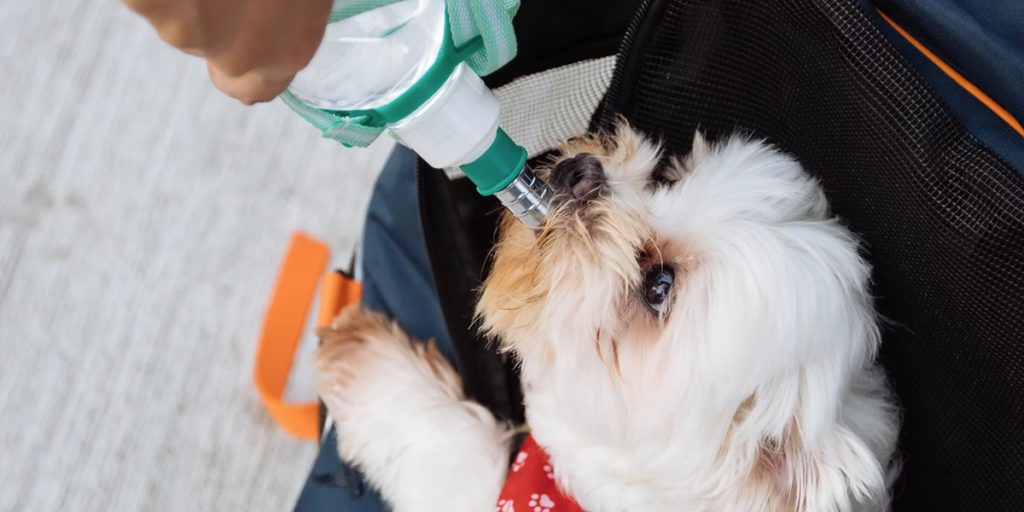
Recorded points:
396,281
983,40
397,278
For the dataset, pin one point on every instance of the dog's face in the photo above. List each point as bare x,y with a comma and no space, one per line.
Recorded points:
714,283
598,275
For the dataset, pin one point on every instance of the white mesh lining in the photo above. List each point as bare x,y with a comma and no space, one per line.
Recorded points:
541,109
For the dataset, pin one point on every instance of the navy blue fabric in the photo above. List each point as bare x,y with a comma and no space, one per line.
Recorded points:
396,281
983,40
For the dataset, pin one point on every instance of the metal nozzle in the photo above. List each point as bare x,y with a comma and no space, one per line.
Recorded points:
527,197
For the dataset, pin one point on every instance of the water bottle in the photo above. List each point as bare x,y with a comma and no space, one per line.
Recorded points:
397,66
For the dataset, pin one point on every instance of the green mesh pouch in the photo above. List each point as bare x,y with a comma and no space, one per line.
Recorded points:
491,20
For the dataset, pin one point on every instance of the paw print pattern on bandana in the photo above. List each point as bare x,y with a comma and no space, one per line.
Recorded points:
530,484
520,461
541,503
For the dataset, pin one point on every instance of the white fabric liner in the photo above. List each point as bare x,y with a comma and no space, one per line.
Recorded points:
541,109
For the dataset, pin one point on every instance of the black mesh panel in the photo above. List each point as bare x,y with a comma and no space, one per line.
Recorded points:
942,216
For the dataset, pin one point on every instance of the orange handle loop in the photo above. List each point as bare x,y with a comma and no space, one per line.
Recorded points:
285,319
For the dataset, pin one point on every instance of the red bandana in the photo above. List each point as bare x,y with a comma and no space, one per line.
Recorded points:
530,485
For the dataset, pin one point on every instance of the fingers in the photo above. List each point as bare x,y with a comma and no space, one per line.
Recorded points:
253,47
251,87
275,43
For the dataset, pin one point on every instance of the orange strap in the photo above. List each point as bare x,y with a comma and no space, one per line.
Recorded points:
964,83
336,292
283,324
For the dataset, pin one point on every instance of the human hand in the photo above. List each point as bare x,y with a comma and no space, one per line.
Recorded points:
253,48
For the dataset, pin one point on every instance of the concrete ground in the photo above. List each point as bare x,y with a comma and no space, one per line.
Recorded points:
142,219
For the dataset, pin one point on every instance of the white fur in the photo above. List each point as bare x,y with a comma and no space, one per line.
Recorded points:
777,308
769,345
405,423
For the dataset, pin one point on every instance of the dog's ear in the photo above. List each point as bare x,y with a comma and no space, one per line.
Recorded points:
803,459
833,474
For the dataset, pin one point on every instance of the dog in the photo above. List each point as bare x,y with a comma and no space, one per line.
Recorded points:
693,334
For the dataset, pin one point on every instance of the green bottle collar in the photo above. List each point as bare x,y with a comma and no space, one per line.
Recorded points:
498,166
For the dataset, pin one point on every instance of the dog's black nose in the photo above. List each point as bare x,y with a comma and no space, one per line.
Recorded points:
581,176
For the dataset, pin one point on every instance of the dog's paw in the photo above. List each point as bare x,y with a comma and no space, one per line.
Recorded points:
401,417
366,360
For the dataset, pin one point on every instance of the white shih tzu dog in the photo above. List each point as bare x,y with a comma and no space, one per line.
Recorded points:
693,336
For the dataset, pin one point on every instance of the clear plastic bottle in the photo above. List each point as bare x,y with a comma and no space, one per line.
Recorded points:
397,62
368,60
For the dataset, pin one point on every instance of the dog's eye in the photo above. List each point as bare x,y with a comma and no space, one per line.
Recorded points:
657,288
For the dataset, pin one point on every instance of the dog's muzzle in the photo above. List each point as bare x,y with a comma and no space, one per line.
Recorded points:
580,178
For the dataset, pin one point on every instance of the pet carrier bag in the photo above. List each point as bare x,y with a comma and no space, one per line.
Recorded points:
923,161
908,116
